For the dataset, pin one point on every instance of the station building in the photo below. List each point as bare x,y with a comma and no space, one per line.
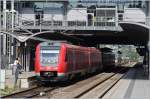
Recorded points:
24,23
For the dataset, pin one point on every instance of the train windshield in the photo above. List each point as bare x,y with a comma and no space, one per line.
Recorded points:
49,57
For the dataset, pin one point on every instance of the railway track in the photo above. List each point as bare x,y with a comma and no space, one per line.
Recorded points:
100,90
30,93
95,87
103,87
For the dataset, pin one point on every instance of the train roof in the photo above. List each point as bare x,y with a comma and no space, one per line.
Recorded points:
67,44
52,43
81,47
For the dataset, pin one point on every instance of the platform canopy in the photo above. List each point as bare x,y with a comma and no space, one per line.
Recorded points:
42,36
132,34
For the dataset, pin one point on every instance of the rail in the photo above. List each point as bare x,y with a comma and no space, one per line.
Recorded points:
103,86
31,92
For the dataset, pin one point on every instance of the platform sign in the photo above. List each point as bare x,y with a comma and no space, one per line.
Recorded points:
2,79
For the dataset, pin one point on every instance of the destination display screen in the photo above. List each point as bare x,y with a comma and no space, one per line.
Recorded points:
50,47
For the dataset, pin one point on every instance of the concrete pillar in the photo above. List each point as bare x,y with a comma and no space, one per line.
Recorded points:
27,59
2,69
23,58
147,12
4,14
12,11
0,39
0,16
65,8
0,51
116,18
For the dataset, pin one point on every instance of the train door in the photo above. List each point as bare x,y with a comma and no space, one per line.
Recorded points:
90,18
69,59
89,60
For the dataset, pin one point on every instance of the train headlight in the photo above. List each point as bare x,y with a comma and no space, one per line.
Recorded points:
116,61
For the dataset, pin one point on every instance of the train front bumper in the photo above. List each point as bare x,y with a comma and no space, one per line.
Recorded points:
59,77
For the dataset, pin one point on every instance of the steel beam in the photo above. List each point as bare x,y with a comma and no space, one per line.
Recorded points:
0,39
65,13
12,27
149,36
0,51
4,26
147,11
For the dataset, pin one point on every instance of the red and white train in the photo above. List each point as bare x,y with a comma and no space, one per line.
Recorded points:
56,61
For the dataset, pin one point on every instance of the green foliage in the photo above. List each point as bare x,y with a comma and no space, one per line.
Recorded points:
131,53
133,56
6,91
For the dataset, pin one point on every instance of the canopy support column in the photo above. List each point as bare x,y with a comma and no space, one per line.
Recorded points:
148,23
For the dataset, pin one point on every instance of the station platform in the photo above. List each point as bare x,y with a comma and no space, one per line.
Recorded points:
25,79
134,85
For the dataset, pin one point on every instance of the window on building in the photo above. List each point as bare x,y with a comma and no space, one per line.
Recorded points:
27,4
135,4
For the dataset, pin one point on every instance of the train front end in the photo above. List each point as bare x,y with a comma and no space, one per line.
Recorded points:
47,62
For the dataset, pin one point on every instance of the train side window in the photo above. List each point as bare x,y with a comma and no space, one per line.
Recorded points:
67,56
74,56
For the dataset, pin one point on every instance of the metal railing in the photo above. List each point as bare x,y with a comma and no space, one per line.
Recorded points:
28,23
45,22
66,23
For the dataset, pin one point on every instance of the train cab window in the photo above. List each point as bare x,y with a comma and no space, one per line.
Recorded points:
49,57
